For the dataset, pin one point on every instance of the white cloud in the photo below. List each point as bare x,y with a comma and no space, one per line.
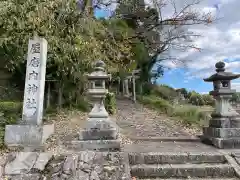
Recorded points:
204,92
219,41
236,86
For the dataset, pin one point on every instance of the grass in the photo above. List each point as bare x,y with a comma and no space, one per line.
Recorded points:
188,114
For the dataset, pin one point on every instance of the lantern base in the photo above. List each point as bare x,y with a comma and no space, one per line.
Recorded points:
222,143
224,122
98,134
223,132
100,123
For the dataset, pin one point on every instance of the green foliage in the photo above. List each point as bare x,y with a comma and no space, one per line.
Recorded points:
235,97
110,103
208,100
189,115
164,92
9,114
147,88
9,93
184,92
83,104
75,40
196,99
156,102
10,108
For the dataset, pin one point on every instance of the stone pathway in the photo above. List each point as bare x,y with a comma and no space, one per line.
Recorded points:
138,121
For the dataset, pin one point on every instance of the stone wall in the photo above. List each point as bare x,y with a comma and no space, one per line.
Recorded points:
86,165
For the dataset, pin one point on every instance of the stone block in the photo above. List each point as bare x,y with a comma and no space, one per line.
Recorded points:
23,163
103,165
224,123
221,132
27,135
98,134
24,177
175,158
70,165
183,171
42,161
100,145
100,123
222,143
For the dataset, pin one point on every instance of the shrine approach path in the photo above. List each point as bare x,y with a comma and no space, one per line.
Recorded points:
135,120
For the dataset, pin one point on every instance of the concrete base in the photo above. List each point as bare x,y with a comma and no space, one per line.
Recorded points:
100,123
27,135
98,145
222,143
221,132
224,122
99,134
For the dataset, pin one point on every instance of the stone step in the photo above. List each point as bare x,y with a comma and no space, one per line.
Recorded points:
221,132
188,178
175,158
183,170
96,145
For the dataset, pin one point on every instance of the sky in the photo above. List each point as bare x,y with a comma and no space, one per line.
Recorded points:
219,41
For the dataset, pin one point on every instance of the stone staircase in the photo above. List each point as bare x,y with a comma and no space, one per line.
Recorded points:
180,166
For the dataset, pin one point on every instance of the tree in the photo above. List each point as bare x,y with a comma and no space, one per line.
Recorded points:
75,40
160,34
184,92
196,99
208,100
235,97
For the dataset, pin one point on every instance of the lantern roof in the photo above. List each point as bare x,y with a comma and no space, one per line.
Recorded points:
221,75
99,72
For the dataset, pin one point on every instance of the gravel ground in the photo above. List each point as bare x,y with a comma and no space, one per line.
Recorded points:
136,120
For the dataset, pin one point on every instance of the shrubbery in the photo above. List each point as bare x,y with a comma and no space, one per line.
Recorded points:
164,92
110,103
9,114
188,114
82,104
196,99
153,101
170,94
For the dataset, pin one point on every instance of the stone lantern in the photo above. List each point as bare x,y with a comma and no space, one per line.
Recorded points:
224,126
97,90
100,132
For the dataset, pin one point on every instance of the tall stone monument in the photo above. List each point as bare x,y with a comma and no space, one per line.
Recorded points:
100,132
30,131
224,127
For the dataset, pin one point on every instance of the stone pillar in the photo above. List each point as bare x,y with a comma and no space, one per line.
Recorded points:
123,88
224,126
100,132
118,86
126,87
134,88
31,132
48,104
